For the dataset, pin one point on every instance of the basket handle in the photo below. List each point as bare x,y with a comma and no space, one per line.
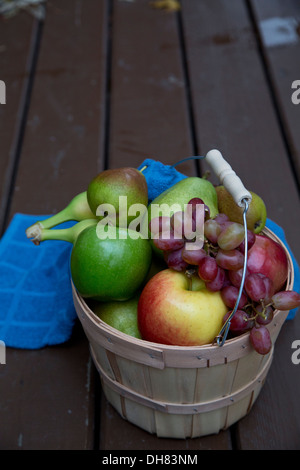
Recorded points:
228,177
242,198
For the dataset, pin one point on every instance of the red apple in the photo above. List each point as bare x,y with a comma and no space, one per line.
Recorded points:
170,313
269,258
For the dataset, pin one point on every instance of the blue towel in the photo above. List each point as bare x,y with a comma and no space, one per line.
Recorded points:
36,305
159,177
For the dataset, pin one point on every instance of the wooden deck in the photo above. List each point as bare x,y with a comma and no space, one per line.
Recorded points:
104,84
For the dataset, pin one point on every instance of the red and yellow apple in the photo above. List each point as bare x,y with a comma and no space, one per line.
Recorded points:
170,313
269,258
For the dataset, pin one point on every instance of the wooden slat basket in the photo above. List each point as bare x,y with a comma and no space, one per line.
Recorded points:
175,391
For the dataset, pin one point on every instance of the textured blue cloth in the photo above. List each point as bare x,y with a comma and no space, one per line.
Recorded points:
159,177
36,305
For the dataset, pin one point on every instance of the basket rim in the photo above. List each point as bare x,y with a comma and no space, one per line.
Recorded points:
241,342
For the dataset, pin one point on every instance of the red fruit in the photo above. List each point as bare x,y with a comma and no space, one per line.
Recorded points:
230,294
255,287
235,277
168,241
218,281
260,339
193,256
265,314
208,269
286,300
174,260
240,322
269,258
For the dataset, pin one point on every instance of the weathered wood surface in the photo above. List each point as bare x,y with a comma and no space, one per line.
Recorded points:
108,84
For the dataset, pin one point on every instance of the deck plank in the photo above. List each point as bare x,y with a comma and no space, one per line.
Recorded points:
15,74
49,393
238,117
149,111
281,52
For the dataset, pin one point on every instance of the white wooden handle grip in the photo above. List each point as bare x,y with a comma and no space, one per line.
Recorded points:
228,178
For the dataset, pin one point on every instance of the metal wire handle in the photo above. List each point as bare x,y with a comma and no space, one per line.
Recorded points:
221,337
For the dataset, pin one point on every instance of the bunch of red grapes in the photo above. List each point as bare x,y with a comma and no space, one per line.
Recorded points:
219,260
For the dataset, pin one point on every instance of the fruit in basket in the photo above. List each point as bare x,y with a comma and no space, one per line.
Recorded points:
269,258
267,274
104,268
170,313
261,339
78,209
286,300
256,214
109,268
67,234
109,185
177,196
183,192
119,315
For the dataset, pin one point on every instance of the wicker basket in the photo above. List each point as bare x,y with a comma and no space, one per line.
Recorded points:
179,392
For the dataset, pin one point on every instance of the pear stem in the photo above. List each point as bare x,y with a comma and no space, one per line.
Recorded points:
206,175
144,168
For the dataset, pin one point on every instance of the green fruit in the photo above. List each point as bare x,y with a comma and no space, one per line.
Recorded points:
109,185
78,209
180,194
110,268
256,215
120,315
183,191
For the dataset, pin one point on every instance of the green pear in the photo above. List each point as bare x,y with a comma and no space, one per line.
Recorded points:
180,194
256,215
109,185
183,191
120,315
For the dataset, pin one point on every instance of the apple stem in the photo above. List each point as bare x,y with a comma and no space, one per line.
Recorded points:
189,274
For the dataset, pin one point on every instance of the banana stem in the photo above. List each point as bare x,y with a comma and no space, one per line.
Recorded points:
68,234
57,219
78,209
